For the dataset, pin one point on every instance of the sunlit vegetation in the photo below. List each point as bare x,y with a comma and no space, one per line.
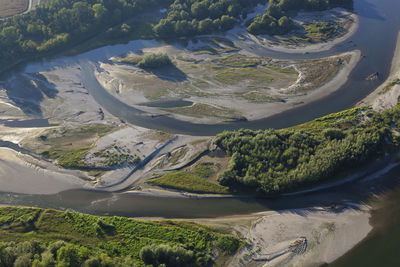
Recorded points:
390,86
190,181
205,110
69,145
276,161
153,61
320,71
188,18
39,237
115,156
319,31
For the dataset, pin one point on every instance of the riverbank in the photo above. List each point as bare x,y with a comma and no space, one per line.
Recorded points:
386,95
297,237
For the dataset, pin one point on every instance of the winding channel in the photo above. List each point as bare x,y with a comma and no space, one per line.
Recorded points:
375,38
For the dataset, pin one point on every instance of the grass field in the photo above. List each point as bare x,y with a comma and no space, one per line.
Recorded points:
12,7
195,182
29,234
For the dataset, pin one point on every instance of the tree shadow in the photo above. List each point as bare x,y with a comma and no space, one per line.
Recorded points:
27,91
168,73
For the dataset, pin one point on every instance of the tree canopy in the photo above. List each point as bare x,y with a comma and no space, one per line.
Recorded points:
276,161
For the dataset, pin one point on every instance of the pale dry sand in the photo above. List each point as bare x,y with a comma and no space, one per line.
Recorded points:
379,100
18,176
325,234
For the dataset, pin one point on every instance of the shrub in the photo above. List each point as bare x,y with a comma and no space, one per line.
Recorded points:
153,61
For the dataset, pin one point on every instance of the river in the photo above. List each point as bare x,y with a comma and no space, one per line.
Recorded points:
379,26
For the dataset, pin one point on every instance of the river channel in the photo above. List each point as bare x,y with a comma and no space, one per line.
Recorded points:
375,38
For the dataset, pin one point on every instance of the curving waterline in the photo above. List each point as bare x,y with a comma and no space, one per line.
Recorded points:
376,56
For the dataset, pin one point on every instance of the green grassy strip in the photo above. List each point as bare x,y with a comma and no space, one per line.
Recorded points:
189,182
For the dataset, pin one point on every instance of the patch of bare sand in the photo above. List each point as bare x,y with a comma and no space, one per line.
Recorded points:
379,99
18,176
301,237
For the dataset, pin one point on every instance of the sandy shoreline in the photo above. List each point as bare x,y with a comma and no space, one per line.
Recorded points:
323,233
380,100
19,176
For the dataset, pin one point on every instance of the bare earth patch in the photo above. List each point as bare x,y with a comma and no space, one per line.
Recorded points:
12,7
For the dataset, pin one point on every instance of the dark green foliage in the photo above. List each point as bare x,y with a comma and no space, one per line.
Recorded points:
103,241
228,244
275,161
58,23
171,256
275,21
191,17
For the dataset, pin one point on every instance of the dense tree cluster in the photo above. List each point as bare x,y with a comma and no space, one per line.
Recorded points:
170,256
275,161
60,22
276,19
38,254
191,17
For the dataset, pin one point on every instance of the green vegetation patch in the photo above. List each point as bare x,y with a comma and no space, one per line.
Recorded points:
319,71
133,60
237,60
258,97
42,237
70,145
277,21
177,155
204,110
149,61
389,86
234,76
153,61
70,23
319,31
276,161
115,156
192,182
